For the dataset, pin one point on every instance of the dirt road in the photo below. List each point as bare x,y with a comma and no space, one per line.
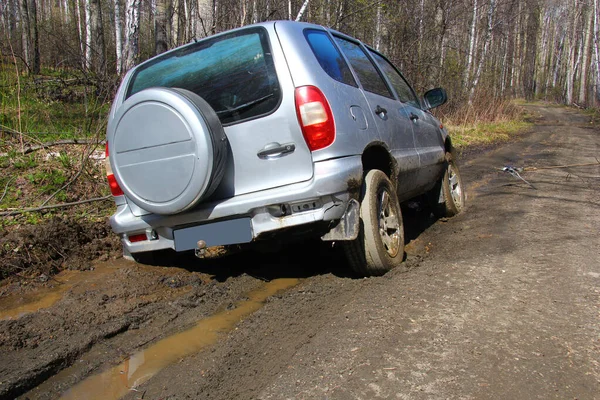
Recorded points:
500,302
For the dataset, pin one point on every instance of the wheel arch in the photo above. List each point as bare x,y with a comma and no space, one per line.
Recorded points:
377,156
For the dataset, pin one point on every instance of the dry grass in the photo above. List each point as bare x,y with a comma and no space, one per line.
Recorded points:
486,122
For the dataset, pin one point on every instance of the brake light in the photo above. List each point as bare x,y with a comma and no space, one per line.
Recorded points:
115,189
315,117
137,238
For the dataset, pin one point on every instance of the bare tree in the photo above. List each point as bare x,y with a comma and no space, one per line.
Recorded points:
302,9
486,45
161,25
35,67
26,33
472,31
583,76
132,32
118,38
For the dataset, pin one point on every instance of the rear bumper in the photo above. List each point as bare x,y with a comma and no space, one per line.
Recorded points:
322,198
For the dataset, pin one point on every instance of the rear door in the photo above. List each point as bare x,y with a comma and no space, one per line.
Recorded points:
391,119
426,130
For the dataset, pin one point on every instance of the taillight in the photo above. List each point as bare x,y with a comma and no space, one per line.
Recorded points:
115,189
315,117
137,238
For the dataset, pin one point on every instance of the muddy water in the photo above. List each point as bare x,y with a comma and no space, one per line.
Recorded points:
14,306
118,381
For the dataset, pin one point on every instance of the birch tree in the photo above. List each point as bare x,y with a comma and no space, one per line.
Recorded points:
132,32
583,76
471,43
597,60
118,38
486,45
302,9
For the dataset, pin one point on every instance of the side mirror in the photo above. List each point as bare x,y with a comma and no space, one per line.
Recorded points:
435,98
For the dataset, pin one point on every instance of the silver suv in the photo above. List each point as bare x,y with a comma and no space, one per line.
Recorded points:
274,130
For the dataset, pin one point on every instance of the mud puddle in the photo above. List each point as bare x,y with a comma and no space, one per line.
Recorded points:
119,380
15,306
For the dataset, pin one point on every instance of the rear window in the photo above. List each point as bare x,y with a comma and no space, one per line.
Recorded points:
233,73
329,57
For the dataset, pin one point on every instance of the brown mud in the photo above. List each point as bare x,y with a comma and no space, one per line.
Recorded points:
502,301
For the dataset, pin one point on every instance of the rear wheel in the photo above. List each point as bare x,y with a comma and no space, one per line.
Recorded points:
379,246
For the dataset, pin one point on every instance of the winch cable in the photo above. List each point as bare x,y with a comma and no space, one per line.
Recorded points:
515,171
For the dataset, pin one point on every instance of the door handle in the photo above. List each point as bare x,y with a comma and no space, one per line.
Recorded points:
276,150
380,110
413,117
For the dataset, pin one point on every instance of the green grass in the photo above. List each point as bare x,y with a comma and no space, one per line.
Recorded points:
478,134
48,107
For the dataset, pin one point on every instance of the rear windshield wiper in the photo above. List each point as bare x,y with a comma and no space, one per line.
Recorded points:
230,111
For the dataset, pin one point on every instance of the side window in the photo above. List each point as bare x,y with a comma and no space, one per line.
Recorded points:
405,93
364,68
329,57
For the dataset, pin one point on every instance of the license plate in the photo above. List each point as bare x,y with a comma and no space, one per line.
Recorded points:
214,234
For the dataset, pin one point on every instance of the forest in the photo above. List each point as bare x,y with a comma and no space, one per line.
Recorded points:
62,60
482,51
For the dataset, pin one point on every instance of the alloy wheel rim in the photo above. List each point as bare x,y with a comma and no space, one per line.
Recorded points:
455,187
389,224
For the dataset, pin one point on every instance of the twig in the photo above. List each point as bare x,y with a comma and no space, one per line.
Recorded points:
85,157
6,129
6,188
62,205
62,187
31,149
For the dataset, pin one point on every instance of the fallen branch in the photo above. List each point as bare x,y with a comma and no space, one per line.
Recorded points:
6,188
62,205
31,149
6,129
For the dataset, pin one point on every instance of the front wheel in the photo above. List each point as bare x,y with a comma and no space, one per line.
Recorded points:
448,196
379,246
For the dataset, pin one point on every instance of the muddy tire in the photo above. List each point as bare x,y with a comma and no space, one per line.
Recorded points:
379,246
447,198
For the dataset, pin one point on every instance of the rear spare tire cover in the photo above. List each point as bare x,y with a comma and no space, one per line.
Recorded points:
167,149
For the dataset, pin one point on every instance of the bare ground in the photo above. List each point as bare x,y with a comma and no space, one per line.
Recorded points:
502,301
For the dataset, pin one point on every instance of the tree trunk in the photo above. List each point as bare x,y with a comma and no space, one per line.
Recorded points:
35,66
118,38
132,32
160,27
80,33
597,61
529,63
302,9
471,43
26,34
378,28
486,45
586,60
12,18
98,46
88,34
